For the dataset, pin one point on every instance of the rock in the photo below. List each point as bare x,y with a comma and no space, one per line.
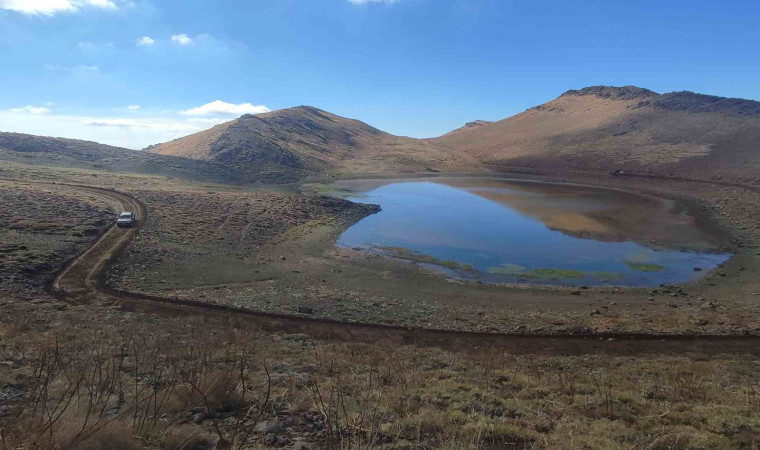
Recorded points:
673,305
271,426
650,298
697,269
709,305
595,312
305,310
576,292
702,322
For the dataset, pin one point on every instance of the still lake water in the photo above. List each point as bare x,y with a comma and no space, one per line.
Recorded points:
499,231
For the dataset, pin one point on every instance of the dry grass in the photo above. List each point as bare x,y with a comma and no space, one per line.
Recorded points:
96,377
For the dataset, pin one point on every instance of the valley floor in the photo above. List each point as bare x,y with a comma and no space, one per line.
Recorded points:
83,375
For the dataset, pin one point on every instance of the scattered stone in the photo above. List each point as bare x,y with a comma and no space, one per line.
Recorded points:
673,305
305,310
650,298
595,312
709,305
702,322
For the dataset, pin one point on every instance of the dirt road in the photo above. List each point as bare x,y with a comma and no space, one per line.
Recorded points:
81,281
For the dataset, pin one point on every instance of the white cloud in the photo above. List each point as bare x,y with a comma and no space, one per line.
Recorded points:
116,129
60,68
133,107
221,108
145,41
31,110
51,7
110,123
181,39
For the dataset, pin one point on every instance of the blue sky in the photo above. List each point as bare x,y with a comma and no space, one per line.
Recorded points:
137,72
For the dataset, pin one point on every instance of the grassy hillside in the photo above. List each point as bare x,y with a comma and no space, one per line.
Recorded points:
604,128
60,152
290,144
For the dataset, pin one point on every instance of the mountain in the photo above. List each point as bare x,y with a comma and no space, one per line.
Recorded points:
470,125
50,151
638,130
291,144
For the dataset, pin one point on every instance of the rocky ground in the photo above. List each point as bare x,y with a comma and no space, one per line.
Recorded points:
41,227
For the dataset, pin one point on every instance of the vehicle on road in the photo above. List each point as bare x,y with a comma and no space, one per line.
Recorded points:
125,219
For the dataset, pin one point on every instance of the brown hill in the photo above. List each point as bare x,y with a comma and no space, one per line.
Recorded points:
603,128
61,152
293,143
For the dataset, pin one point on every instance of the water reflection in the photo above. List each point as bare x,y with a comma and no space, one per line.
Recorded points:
508,232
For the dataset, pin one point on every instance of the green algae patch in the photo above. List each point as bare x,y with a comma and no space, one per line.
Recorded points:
643,267
554,274
545,273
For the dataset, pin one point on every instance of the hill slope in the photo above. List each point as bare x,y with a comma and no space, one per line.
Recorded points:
61,152
605,127
293,143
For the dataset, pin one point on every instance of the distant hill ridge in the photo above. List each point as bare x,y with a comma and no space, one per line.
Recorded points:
606,127
43,150
597,128
675,101
294,143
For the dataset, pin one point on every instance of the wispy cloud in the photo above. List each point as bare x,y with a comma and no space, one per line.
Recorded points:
31,110
60,68
125,126
146,41
92,47
110,122
181,39
219,107
51,7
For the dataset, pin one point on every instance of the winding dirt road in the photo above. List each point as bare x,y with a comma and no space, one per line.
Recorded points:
81,281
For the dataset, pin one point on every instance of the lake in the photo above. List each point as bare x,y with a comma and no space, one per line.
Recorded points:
501,231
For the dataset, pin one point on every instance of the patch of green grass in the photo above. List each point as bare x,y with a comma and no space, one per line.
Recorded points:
643,267
411,255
